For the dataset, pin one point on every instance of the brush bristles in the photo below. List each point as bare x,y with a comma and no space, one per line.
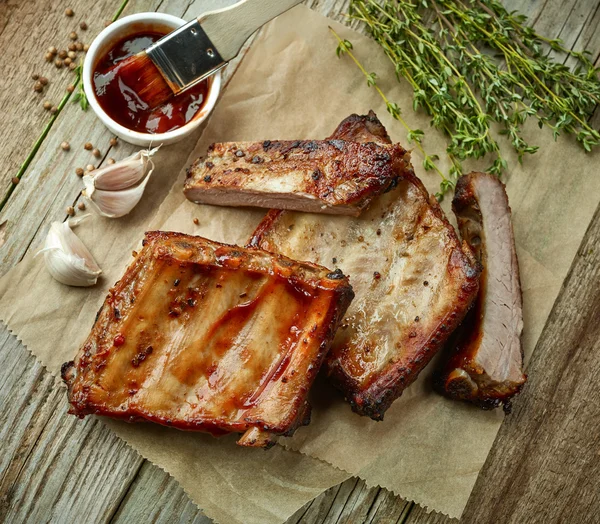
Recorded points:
141,75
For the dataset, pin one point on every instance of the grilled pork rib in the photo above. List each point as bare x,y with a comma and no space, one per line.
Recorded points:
486,364
319,176
209,337
413,280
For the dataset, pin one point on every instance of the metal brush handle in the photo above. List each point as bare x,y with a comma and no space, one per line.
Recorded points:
230,27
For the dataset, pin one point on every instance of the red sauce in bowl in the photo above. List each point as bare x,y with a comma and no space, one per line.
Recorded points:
122,104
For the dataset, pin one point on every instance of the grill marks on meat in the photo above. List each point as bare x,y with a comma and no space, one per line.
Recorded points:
413,280
209,337
332,176
486,364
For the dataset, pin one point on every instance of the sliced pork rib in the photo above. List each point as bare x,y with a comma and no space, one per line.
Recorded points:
485,365
209,337
319,176
413,280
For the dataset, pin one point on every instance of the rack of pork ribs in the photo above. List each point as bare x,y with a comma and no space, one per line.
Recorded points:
204,336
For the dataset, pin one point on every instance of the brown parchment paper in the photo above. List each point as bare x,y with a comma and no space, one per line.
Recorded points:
428,449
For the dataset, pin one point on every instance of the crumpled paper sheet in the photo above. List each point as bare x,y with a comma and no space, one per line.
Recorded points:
428,449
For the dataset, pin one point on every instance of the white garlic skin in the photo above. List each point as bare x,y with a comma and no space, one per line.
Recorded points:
67,259
114,190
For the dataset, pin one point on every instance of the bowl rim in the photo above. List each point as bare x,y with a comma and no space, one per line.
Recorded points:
108,33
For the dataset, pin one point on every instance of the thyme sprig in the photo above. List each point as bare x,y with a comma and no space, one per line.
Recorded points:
80,95
471,64
414,135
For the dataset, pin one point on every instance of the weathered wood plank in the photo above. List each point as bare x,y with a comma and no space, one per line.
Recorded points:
155,496
28,28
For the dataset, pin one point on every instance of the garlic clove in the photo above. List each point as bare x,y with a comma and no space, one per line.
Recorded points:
125,173
113,204
66,257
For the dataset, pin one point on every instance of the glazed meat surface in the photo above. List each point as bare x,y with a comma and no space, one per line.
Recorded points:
486,363
320,176
413,281
209,337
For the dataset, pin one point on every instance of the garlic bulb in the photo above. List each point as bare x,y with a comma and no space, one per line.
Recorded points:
115,190
67,258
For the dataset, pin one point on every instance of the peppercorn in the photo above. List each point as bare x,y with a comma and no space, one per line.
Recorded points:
113,141
38,87
68,61
79,171
69,12
73,35
65,146
15,180
81,206
96,152
71,88
110,161
43,80
83,25
62,54
58,63
70,211
88,146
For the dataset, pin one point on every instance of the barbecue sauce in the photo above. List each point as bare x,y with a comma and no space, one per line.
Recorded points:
122,104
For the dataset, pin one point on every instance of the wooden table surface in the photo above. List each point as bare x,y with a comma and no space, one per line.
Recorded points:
544,466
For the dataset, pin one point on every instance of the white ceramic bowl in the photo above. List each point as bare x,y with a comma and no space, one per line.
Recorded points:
102,44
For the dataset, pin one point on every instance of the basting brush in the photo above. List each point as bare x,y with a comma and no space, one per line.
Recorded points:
195,51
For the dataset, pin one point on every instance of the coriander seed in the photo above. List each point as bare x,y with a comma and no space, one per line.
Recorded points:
49,57
15,180
83,25
70,88
81,206
86,47
47,105
72,46
78,46
62,54
90,167
73,35
113,141
196,221
53,110
70,211
69,12
68,61
38,87
43,80
72,66
65,146
96,152
110,161
35,76
79,171
107,23
72,55
58,63
88,146
52,50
